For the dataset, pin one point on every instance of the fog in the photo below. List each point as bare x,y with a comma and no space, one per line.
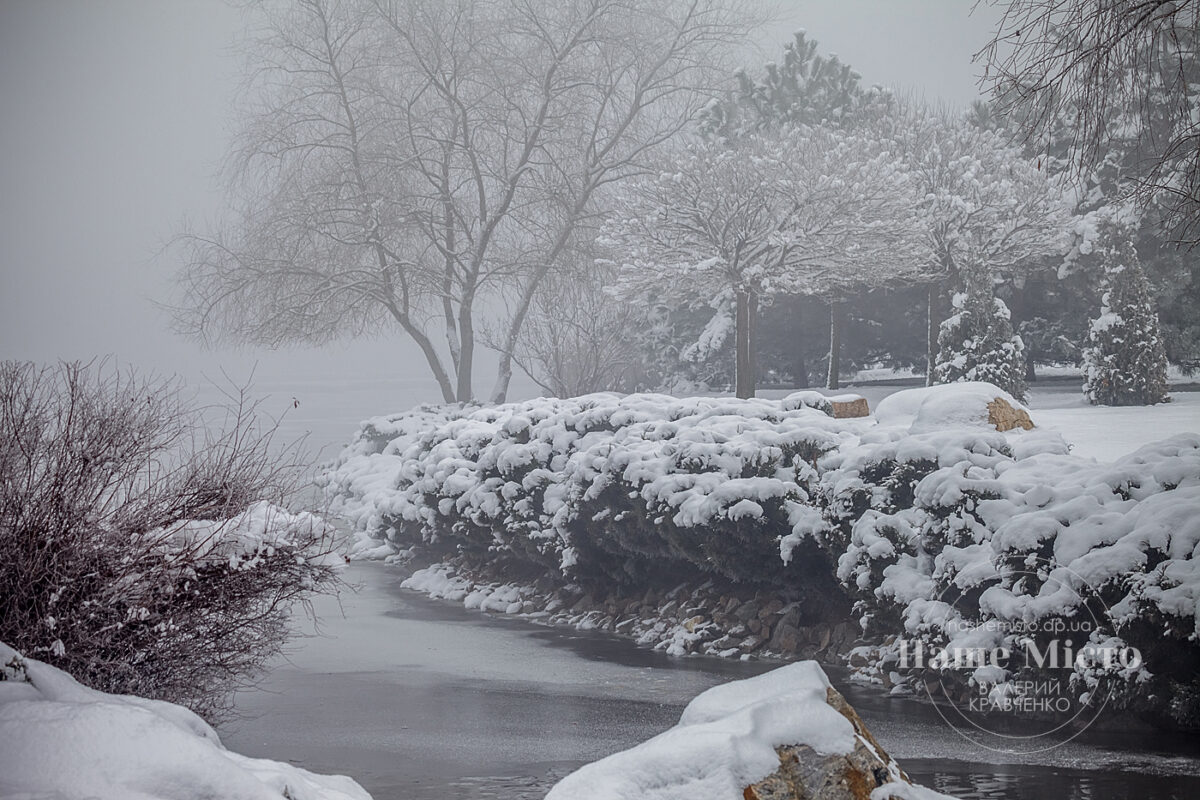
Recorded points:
116,117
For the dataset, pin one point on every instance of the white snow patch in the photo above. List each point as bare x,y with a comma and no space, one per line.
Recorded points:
65,741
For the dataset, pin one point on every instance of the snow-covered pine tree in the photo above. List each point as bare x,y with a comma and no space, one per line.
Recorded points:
1124,362
977,342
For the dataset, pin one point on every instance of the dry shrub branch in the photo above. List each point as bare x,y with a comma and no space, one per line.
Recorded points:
141,551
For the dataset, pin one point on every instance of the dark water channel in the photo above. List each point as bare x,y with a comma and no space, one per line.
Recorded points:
418,699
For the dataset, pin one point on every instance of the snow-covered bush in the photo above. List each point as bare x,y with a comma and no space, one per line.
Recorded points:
1124,361
977,343
940,532
598,486
139,555
923,514
64,740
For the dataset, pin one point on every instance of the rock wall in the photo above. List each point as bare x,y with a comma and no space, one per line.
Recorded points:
687,618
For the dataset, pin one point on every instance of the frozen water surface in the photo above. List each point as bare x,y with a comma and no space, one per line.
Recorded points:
417,700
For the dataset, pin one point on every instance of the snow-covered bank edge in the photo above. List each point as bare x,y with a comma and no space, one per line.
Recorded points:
940,497
66,741
687,619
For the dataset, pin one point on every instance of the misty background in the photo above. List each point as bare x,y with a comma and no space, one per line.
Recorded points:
116,117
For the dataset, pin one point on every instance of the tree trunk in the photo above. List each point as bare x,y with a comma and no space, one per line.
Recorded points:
399,313
431,355
466,356
752,342
744,362
504,369
836,313
933,325
799,365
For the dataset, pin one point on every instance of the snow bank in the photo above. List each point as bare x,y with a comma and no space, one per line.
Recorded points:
246,539
64,740
726,740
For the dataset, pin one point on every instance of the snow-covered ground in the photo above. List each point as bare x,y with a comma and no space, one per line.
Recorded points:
1101,432
62,740
1109,432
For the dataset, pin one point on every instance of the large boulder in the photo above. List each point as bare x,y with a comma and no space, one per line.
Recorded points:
807,774
842,406
849,406
783,735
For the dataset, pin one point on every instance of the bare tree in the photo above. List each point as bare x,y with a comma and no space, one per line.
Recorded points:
1112,71
411,160
577,336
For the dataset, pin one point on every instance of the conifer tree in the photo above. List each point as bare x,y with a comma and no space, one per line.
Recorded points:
1125,362
805,89
977,342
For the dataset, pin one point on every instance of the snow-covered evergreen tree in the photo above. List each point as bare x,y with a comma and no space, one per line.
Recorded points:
977,342
1125,363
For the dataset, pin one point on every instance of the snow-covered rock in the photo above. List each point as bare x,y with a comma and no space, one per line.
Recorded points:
849,406
783,735
969,404
62,740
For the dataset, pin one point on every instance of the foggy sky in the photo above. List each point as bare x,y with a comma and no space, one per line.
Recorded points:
115,117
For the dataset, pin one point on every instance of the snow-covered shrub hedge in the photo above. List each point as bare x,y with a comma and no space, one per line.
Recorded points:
939,529
924,514
138,555
598,486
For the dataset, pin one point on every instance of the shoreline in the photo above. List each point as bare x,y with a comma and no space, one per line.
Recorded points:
682,622
688,619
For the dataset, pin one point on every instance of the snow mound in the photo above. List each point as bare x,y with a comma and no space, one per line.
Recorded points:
245,539
934,408
807,399
725,741
63,740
